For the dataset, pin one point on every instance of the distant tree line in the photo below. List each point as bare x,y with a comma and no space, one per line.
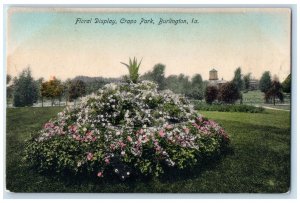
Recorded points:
25,91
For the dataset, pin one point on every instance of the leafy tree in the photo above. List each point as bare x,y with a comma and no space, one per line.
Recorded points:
39,83
196,89
265,82
25,89
8,78
275,91
229,93
77,89
286,84
247,81
9,88
178,84
67,86
52,89
211,94
157,75
133,68
237,79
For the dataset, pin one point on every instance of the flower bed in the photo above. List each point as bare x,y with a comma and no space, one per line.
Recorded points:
127,130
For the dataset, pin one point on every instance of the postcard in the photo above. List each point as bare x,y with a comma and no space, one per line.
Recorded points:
148,100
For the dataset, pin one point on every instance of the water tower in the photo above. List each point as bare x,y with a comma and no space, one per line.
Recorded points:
213,74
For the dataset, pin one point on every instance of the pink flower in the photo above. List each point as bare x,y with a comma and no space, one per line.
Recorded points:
122,145
112,146
141,131
161,133
49,125
107,161
94,139
100,174
89,133
78,138
169,127
187,130
129,138
73,128
89,156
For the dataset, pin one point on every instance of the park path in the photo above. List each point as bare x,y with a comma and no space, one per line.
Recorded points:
267,107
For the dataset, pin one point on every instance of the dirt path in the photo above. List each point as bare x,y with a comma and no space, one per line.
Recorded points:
267,107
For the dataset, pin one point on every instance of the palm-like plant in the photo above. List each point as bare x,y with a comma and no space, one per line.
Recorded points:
133,68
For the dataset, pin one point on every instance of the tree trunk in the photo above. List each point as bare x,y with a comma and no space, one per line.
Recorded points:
52,101
42,101
274,100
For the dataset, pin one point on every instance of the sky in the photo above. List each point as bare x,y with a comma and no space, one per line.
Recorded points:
49,41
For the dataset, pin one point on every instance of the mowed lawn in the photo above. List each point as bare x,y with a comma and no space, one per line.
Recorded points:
258,161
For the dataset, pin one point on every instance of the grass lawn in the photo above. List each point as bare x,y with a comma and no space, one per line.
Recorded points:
256,98
259,160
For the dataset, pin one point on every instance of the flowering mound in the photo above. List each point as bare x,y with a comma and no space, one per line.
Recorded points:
127,130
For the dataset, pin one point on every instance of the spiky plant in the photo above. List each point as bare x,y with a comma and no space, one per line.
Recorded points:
133,68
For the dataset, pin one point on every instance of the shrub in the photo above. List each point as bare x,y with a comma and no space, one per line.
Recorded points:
274,92
228,108
229,93
211,94
126,130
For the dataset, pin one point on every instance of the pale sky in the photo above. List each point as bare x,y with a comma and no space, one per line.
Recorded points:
52,45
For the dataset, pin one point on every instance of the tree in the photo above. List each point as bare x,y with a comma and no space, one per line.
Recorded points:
196,89
237,79
9,88
25,89
52,89
265,81
247,81
211,94
77,89
274,92
157,75
133,68
8,78
286,84
39,83
67,86
229,93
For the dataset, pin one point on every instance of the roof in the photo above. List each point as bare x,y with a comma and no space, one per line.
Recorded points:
213,70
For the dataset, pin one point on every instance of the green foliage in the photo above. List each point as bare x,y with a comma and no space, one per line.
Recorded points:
229,93
196,89
237,79
8,78
265,81
52,89
157,75
179,84
77,89
201,106
133,68
286,84
211,94
25,89
247,81
275,91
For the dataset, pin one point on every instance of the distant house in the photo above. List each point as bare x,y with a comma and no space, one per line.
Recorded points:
214,80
